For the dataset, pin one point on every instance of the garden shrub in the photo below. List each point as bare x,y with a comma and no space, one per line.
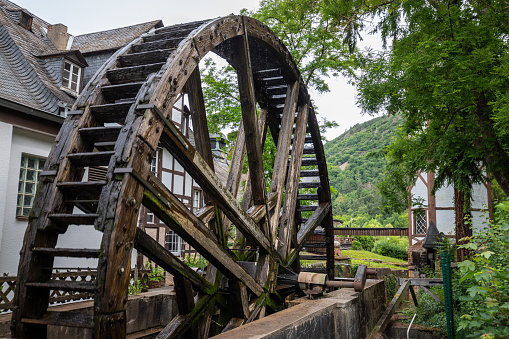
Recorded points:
363,243
391,249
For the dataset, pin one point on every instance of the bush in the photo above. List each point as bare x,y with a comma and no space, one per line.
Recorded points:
390,249
363,243
484,278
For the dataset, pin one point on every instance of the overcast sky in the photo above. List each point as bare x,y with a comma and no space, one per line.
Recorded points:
94,15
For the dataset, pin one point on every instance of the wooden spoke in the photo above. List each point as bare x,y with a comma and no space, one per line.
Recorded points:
208,181
249,118
324,191
180,324
283,150
287,225
162,257
173,213
308,228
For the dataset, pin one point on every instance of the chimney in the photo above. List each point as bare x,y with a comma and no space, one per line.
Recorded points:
58,36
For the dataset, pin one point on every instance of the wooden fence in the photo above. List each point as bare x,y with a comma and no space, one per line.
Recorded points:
8,283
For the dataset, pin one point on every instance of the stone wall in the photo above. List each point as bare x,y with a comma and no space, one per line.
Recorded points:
344,314
153,309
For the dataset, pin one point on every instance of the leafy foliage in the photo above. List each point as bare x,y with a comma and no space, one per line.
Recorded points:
355,170
391,248
446,72
363,243
485,280
315,40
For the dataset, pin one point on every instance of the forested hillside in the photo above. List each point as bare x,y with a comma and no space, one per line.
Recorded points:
354,173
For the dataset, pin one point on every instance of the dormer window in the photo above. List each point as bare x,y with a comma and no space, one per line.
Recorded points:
72,76
25,20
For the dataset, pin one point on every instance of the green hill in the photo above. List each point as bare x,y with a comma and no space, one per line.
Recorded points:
354,172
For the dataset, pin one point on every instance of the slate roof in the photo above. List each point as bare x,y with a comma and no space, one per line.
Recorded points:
433,237
26,77
112,39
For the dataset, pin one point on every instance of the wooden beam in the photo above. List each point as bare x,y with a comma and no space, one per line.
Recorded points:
287,222
422,281
323,191
431,294
308,228
283,150
199,117
239,299
185,302
180,324
162,257
249,118
386,316
175,214
194,164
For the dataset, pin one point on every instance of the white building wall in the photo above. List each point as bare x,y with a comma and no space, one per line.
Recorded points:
31,143
420,192
445,221
479,196
444,197
13,229
5,153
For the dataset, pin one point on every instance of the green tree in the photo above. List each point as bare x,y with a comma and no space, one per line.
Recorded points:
445,71
316,41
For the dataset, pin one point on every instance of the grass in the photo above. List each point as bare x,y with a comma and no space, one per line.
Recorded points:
358,257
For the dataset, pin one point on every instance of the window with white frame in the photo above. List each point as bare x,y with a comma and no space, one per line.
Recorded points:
29,172
197,200
420,221
153,164
174,243
150,217
72,76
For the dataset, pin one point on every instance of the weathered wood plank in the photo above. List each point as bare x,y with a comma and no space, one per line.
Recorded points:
149,57
162,257
249,118
180,324
185,302
199,117
324,190
133,73
423,281
174,214
389,311
209,182
68,252
239,299
287,221
283,149
308,228
69,319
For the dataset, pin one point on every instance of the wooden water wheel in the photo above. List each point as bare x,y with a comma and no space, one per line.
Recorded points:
118,121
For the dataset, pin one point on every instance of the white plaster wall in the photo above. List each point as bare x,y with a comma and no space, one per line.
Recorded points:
479,196
5,153
444,197
420,191
445,222
28,142
480,220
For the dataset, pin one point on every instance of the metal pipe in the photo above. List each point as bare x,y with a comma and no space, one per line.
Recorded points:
408,330
339,283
